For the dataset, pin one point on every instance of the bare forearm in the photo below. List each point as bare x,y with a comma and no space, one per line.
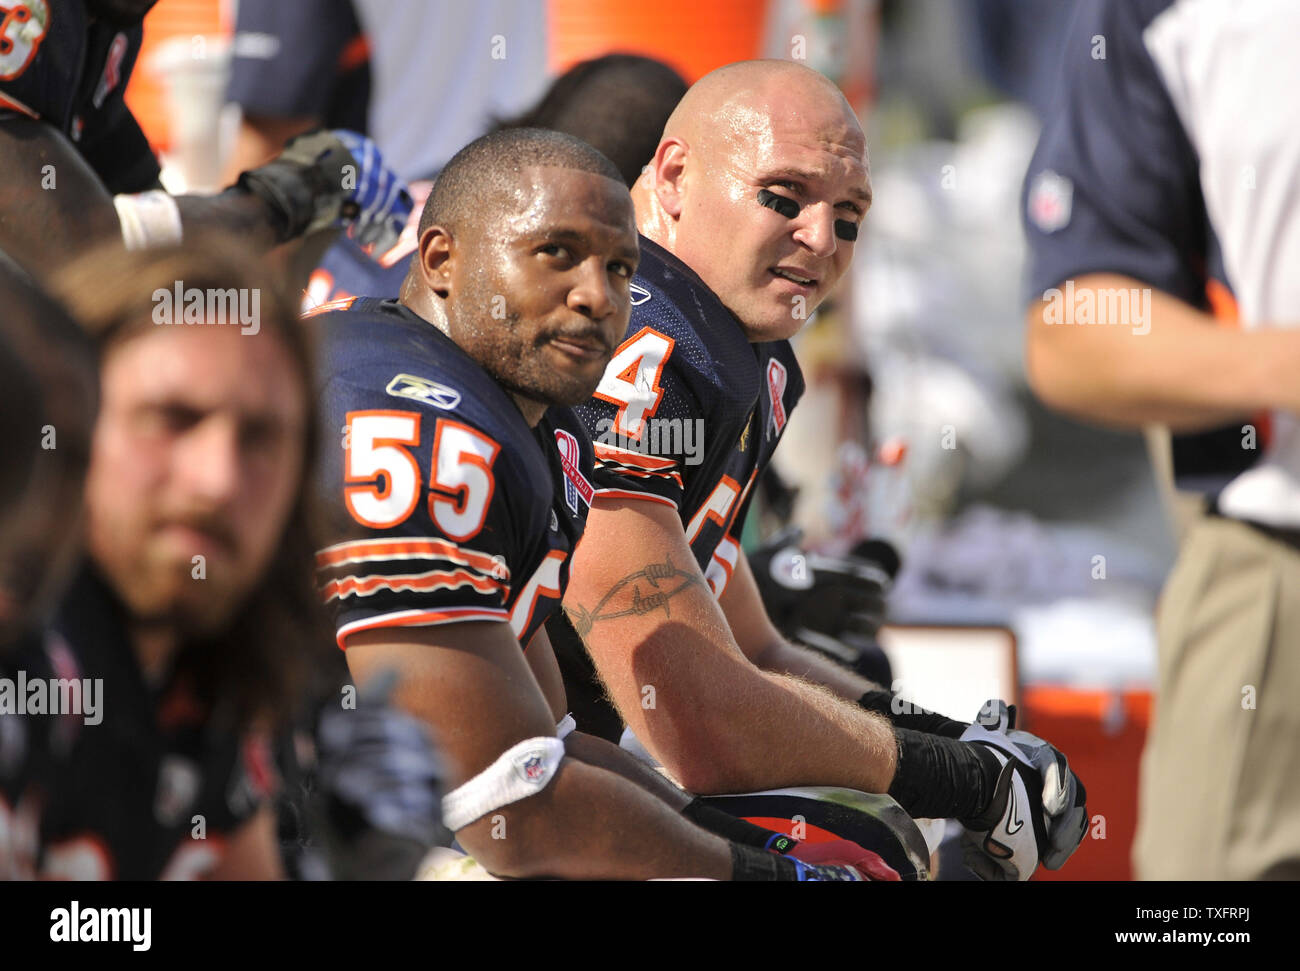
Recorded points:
1178,368
232,212
794,732
596,751
719,724
592,824
783,657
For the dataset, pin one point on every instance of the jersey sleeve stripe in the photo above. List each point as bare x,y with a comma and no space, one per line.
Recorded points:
365,586
10,103
628,494
342,303
628,457
635,474
367,551
419,618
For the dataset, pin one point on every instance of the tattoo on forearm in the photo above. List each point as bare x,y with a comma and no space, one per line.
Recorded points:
666,581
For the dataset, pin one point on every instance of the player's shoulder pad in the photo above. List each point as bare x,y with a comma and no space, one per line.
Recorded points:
710,352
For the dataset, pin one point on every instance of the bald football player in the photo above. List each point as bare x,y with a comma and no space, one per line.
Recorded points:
748,213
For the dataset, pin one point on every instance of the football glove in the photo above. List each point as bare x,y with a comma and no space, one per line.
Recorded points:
332,179
1038,811
835,596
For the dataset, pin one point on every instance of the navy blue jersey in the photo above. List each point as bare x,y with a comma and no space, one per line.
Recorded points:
301,59
446,506
149,785
689,412
33,748
1115,184
60,66
349,269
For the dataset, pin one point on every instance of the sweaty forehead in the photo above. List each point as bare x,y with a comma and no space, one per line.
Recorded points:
760,135
546,194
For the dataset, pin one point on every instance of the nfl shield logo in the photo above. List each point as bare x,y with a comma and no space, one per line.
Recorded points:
533,768
1050,198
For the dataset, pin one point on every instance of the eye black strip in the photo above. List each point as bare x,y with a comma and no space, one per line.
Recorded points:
785,206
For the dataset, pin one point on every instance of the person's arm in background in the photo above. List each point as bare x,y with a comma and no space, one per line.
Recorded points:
1113,204
253,851
296,65
300,191
1186,372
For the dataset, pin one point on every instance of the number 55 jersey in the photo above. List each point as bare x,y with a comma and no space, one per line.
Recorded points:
443,504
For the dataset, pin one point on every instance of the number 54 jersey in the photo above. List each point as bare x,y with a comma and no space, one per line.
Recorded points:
689,412
444,505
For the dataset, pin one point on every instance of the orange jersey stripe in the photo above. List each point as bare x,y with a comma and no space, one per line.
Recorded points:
414,583
627,494
625,456
365,550
634,474
342,303
418,618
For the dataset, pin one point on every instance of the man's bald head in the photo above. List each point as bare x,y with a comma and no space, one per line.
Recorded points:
759,184
738,101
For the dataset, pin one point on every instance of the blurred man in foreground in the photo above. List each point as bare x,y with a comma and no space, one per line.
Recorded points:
190,623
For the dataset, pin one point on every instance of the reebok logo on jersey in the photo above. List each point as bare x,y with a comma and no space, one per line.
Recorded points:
638,293
422,389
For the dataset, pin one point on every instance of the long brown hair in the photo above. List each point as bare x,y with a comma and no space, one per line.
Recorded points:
256,670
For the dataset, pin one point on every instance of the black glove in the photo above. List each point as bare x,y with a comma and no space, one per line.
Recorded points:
336,179
834,604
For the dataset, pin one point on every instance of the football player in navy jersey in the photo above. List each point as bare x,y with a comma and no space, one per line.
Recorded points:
460,481
78,167
749,212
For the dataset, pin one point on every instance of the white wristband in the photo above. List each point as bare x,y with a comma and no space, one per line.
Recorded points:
521,771
148,219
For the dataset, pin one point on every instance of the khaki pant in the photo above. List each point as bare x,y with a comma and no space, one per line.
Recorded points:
1220,788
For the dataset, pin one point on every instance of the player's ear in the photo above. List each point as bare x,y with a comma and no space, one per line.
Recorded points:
437,256
668,170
